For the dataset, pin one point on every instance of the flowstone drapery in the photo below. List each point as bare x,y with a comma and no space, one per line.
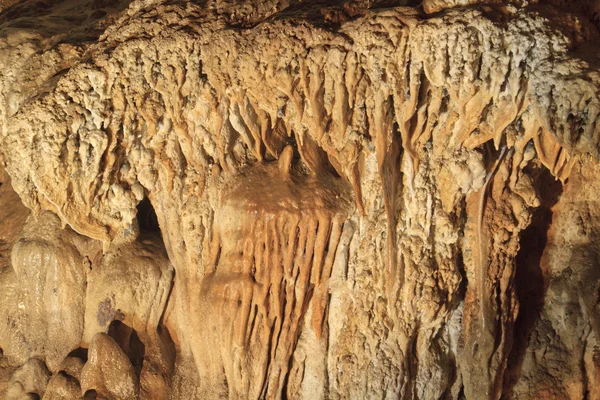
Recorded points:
285,199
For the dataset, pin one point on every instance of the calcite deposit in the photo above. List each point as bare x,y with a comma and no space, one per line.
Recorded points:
299,199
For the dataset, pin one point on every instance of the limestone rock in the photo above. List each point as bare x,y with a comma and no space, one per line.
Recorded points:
126,297
29,381
285,199
46,296
108,372
64,385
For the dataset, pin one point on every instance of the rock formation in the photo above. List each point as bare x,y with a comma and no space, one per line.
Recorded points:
299,199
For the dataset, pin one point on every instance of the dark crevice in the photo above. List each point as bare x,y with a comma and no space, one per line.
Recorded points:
146,217
529,277
129,341
412,366
461,393
459,295
80,353
169,348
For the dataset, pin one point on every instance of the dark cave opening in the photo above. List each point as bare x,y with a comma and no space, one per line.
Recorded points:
146,217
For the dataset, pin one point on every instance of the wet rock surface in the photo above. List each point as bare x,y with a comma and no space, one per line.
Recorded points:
281,199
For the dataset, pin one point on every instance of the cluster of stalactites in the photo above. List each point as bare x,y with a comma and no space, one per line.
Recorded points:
384,83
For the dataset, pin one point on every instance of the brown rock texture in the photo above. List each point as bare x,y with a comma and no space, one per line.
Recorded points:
299,199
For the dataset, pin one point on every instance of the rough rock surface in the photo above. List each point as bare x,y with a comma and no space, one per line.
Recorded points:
285,199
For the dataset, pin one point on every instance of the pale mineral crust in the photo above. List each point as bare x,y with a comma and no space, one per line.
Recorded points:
299,199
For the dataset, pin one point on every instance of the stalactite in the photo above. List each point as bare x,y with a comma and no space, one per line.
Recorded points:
331,218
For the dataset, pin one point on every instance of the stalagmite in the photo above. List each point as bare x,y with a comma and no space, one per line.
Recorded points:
285,199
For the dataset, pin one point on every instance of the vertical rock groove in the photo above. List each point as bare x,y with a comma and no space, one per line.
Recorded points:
282,199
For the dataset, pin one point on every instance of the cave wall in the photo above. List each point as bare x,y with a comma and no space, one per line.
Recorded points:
360,199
